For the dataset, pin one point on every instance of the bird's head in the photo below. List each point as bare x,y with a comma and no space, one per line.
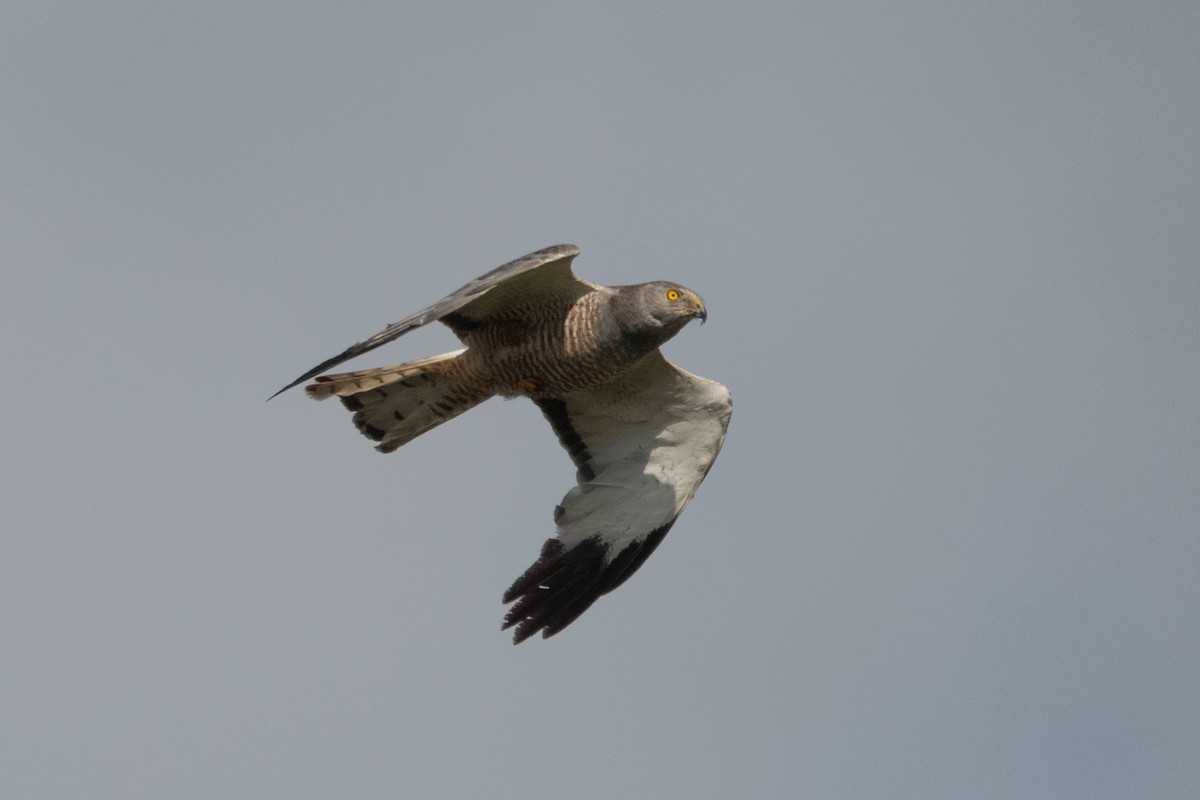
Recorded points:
654,312
672,305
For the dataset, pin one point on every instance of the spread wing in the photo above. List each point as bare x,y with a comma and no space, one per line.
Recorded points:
536,278
641,446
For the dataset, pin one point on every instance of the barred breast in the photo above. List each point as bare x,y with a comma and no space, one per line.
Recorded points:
548,350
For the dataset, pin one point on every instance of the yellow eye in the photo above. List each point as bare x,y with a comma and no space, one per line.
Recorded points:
672,295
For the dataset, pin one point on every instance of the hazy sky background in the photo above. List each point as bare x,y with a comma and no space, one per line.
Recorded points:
951,254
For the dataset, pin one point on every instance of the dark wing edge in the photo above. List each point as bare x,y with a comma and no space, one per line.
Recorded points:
555,411
562,584
452,302
641,447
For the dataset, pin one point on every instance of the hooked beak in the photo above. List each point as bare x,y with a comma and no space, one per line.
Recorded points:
701,311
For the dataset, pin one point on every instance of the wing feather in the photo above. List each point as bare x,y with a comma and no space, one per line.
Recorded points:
532,278
642,445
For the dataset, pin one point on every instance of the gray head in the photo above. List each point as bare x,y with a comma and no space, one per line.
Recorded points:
654,312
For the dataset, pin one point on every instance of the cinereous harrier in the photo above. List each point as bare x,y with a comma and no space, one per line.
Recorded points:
642,432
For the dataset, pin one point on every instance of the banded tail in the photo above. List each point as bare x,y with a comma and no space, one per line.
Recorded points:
394,405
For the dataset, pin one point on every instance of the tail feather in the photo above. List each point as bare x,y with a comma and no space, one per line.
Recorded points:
394,405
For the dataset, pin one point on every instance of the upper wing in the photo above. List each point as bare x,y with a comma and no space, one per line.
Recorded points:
642,445
541,275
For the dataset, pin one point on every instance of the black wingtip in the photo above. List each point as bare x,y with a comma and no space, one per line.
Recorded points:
562,584
329,363
284,389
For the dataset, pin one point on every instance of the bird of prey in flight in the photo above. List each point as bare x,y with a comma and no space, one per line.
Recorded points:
641,432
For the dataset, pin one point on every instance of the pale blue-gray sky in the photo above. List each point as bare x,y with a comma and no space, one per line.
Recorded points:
951,253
